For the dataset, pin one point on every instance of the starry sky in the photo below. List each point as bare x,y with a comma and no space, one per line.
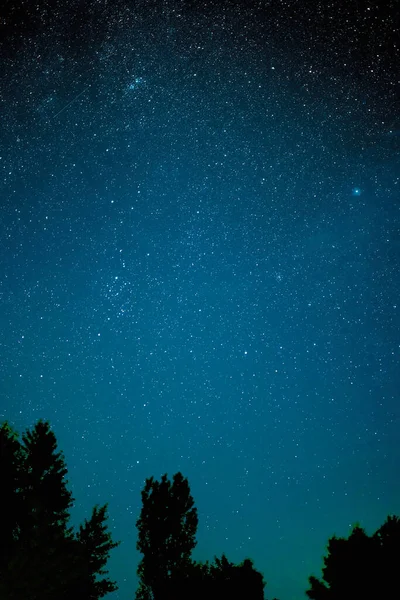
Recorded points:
199,259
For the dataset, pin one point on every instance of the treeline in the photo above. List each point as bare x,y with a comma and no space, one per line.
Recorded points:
43,558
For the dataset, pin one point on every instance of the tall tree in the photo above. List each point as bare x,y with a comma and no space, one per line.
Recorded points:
166,535
40,555
45,494
33,474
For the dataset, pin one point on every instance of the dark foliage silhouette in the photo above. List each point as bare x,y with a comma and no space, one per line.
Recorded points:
10,499
220,579
94,546
167,527
361,566
43,558
240,581
387,538
40,556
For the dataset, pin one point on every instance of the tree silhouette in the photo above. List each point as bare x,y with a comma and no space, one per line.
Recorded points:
220,579
167,527
240,581
95,544
41,557
39,533
387,538
360,566
10,473
45,496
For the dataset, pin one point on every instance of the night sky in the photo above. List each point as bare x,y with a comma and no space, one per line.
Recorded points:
200,254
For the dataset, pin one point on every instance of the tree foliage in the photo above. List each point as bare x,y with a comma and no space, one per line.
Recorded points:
360,566
45,497
43,558
95,544
220,579
228,580
167,528
40,555
11,461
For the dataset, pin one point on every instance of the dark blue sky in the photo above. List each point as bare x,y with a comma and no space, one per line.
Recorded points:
200,264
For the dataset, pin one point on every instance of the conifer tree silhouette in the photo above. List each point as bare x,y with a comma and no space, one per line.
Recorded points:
40,555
